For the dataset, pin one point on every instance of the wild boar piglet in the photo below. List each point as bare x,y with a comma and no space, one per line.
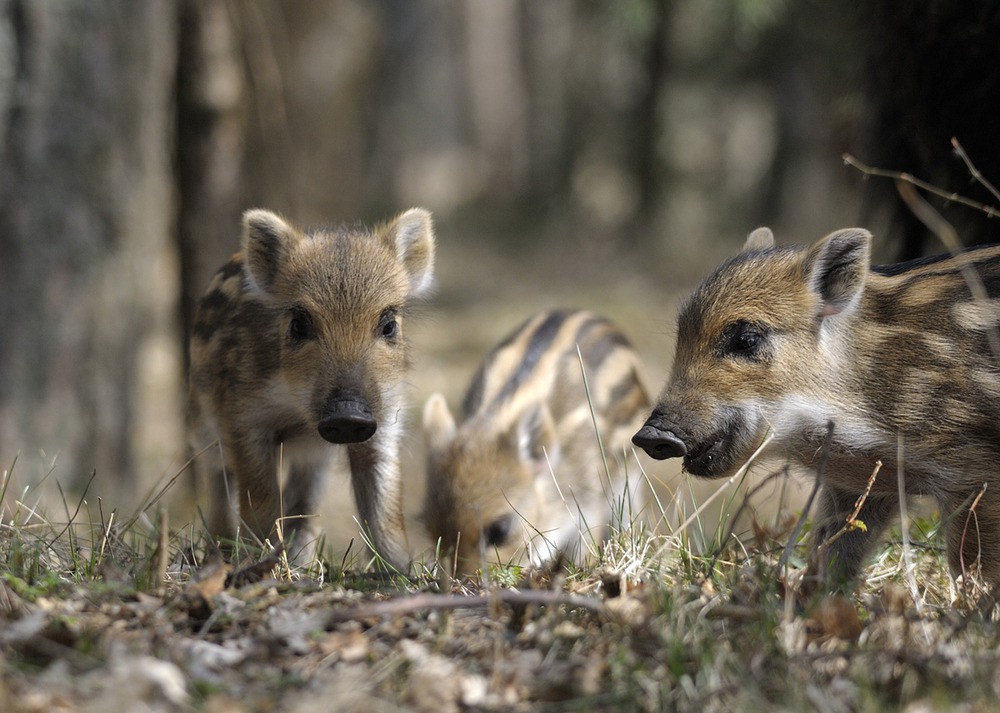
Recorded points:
298,350
521,475
780,341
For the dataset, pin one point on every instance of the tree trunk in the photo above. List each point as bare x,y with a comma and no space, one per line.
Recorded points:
211,133
85,97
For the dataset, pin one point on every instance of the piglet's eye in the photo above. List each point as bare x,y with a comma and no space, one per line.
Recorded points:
744,340
748,341
388,325
496,533
301,328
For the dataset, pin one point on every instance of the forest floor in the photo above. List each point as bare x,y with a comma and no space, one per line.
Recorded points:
119,618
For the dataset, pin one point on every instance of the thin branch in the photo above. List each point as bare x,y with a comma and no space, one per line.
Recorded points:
923,185
945,232
969,578
975,172
932,220
440,602
851,523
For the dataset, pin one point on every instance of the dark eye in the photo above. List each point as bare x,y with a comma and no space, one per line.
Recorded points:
743,339
498,532
389,326
300,328
748,341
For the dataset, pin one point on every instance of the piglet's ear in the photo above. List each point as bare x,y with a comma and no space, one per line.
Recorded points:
837,267
439,424
412,233
759,239
267,242
534,436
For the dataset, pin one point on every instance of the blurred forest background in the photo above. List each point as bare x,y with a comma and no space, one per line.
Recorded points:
608,153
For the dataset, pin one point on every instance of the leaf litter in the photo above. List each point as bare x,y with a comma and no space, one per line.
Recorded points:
683,633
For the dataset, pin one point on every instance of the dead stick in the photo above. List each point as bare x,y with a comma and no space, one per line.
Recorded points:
929,187
965,531
973,171
438,602
851,523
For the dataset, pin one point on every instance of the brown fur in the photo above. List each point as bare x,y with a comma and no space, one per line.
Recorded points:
521,476
298,344
785,340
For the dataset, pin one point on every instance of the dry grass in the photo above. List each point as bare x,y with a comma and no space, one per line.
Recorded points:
126,614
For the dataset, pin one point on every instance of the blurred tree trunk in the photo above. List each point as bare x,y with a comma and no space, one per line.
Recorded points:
85,100
211,133
497,93
647,121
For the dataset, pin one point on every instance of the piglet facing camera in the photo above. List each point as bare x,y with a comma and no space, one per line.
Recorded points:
298,348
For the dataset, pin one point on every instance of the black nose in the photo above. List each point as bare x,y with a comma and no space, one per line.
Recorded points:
347,422
659,444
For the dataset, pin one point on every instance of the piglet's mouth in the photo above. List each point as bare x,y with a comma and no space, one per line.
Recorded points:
708,458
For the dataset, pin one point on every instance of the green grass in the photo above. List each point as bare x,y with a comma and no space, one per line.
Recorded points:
695,619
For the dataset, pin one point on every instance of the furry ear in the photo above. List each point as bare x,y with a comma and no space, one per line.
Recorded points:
759,239
267,241
534,436
412,234
837,267
439,424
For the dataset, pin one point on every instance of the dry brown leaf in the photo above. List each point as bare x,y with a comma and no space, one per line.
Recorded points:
210,579
835,616
206,585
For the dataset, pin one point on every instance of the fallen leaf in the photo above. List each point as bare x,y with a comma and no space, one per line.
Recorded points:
835,617
208,582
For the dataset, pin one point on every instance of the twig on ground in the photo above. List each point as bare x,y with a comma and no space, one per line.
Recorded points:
256,571
438,602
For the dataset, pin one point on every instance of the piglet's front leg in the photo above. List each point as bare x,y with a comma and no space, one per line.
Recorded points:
376,479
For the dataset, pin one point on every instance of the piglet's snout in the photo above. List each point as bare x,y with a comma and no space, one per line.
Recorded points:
347,421
658,442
